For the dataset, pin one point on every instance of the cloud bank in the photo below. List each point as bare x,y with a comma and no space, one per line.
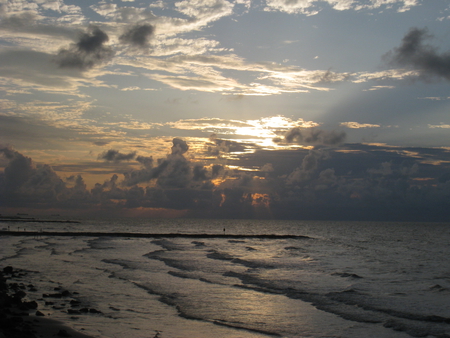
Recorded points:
344,182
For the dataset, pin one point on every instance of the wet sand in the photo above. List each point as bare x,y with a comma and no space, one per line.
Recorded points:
20,316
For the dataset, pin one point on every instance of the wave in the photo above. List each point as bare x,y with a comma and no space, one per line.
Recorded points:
247,263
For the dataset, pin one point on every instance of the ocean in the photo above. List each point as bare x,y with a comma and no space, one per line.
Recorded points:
337,279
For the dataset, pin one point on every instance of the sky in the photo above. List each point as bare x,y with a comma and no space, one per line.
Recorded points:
283,109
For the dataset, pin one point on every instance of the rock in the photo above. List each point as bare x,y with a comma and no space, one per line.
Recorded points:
39,313
63,333
94,311
66,293
8,270
19,295
84,310
73,312
52,295
31,305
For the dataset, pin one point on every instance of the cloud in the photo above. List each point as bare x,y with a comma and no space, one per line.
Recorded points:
115,156
29,23
415,54
357,125
87,53
443,126
19,170
314,136
172,171
22,183
340,183
179,146
312,7
308,167
35,70
138,35
146,161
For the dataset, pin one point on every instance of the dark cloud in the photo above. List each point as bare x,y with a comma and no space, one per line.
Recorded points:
145,161
179,146
309,165
216,170
219,146
174,171
200,173
314,136
19,169
138,35
351,182
101,143
416,54
22,183
115,156
88,52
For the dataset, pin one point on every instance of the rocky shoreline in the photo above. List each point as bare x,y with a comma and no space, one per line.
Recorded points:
23,317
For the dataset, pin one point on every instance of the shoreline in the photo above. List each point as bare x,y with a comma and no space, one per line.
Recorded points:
20,316
145,235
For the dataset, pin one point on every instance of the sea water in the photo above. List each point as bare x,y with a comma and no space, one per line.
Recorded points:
341,279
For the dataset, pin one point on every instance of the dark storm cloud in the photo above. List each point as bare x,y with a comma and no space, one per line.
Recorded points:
138,35
219,146
19,169
145,161
415,53
88,52
173,171
113,155
179,146
23,183
200,173
216,170
314,136
309,165
350,182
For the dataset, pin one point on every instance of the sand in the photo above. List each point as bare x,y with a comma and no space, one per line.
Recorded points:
19,316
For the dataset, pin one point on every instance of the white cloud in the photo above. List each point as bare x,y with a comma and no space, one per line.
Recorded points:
266,127
378,88
357,125
394,74
205,10
442,125
312,7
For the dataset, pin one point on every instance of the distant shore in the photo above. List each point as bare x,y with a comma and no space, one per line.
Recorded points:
17,219
146,235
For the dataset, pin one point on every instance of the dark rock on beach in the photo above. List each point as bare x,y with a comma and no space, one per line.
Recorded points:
63,333
20,317
8,270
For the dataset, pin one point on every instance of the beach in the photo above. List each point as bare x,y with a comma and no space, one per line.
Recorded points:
20,316
139,278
